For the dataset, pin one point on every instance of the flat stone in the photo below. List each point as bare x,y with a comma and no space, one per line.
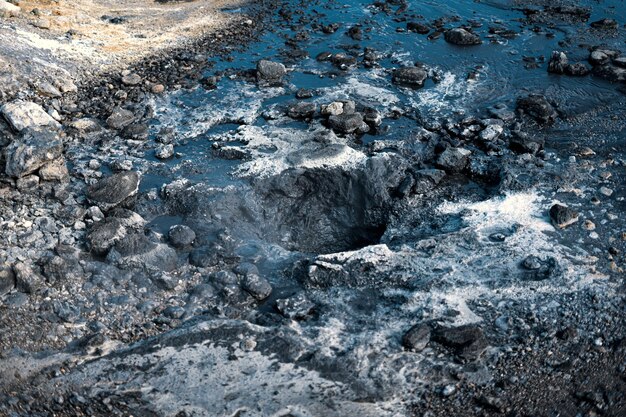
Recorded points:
25,114
35,149
562,216
462,37
120,118
112,191
468,341
410,76
416,338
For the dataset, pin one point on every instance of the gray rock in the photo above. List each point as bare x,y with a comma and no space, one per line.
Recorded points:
348,123
137,251
270,72
174,312
258,287
25,114
104,235
562,216
7,280
9,10
416,338
537,107
522,142
164,151
468,341
605,24
599,57
29,182
463,37
181,236
48,90
417,27
558,62
577,70
120,118
131,79
35,149
54,171
302,110
27,280
114,190
453,159
491,132
410,76
540,270
296,307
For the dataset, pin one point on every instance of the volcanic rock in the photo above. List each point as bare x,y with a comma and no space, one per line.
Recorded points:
114,190
460,36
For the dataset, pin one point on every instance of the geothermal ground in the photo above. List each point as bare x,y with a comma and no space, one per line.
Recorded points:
313,208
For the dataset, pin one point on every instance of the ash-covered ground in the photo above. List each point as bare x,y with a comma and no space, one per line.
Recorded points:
393,208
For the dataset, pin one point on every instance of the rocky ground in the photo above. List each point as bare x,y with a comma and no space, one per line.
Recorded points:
473,266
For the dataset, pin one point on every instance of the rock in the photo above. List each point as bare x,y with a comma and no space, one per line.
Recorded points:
29,182
410,76
85,126
174,312
333,109
47,90
164,151
158,89
522,142
460,36
502,112
27,280
54,171
181,236
104,235
417,27
453,159
599,57
620,61
611,73
9,10
558,62
256,286
537,107
302,110
114,190
270,72
468,341
7,280
35,149
41,23
427,179
491,132
120,118
304,93
25,114
416,338
540,270
137,251
605,24
94,213
348,123
372,117
577,70
562,216
135,131
343,61
607,192
296,307
131,79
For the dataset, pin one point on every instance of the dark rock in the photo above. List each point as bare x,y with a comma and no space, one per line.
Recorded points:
7,280
605,24
181,236
537,107
599,57
372,117
468,341
34,150
137,251
174,312
114,190
258,287
27,280
348,123
120,118
540,270
577,70
356,33
453,159
343,61
302,110
416,338
297,307
417,27
135,131
104,235
203,257
270,72
522,142
460,36
427,179
611,73
304,93
562,216
324,56
558,62
410,76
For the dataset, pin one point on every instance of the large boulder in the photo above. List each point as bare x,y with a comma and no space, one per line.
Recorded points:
137,251
25,114
410,76
348,123
463,37
114,190
120,118
537,107
270,72
34,150
8,9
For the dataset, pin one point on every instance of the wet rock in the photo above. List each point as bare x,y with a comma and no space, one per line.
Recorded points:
25,114
502,112
522,142
297,307
348,123
181,236
120,118
562,216
257,286
611,73
460,36
468,341
135,131
540,270
333,109
453,159
343,61
356,33
204,257
85,126
491,132
372,117
54,171
416,338
8,9
599,57
304,93
324,56
302,110
577,70
537,107
605,24
558,62
620,61
270,72
34,150
7,280
135,250
164,151
26,279
104,235
114,190
410,76
427,179
417,27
